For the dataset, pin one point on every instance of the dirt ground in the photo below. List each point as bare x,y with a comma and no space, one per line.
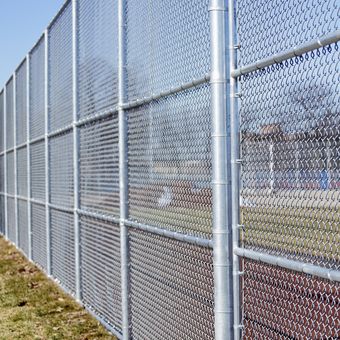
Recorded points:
33,307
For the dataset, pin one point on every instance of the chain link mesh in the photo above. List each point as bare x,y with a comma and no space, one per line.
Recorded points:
38,171
282,304
171,288
61,170
22,172
99,166
21,103
62,249
10,114
10,173
291,169
60,59
39,237
2,173
12,232
2,116
37,90
269,27
98,56
168,42
2,214
289,124
169,156
101,281
23,226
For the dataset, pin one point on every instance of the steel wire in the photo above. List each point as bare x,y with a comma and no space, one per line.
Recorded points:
2,173
100,256
2,214
22,172
21,103
169,157
38,170
269,27
12,232
39,236
99,166
2,117
60,71
282,304
171,288
23,225
37,90
289,127
10,174
98,56
167,43
63,249
61,170
10,113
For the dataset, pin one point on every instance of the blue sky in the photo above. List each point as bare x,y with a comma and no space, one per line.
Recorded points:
21,24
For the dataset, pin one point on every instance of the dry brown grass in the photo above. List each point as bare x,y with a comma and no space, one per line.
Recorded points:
33,307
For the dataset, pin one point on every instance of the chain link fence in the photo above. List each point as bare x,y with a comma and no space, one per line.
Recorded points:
175,189
289,145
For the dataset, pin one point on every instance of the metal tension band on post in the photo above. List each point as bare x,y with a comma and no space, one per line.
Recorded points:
217,8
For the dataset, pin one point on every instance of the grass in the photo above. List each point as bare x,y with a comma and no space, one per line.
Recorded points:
33,307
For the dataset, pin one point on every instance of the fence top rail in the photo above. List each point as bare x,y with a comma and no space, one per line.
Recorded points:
49,25
21,63
288,54
9,79
58,14
37,43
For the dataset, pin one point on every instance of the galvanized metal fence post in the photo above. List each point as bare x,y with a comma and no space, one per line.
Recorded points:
29,207
234,171
15,160
76,148
5,161
47,156
123,171
220,183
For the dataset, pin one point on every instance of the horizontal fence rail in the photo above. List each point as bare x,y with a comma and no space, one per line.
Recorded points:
331,274
296,51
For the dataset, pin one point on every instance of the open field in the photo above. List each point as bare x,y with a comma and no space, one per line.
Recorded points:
33,307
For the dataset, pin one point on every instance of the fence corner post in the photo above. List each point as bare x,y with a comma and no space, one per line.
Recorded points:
29,204
76,146
221,173
15,154
123,171
47,156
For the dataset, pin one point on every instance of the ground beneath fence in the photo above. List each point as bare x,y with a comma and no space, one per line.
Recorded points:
33,307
